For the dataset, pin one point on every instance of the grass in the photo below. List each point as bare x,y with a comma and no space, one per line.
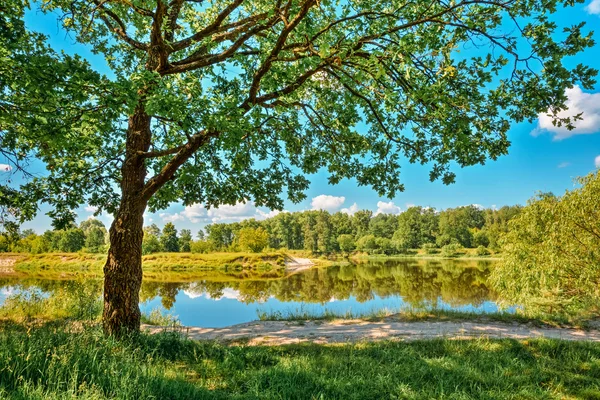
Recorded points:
421,253
415,315
49,362
160,266
159,318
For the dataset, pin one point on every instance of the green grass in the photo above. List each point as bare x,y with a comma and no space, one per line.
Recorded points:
463,253
178,267
51,363
415,315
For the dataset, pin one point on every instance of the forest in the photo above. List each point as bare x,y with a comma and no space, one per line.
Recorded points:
318,232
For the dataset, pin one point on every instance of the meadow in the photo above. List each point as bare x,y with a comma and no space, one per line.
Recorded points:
55,362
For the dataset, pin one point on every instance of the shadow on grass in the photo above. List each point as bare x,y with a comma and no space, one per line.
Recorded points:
49,362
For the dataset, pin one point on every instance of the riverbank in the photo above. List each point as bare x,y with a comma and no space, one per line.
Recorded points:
159,266
51,362
356,331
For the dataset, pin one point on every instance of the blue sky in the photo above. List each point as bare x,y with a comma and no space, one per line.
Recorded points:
541,158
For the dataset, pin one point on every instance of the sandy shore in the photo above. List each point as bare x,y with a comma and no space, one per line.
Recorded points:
343,331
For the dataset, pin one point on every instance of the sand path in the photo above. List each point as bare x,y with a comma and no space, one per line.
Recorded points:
343,331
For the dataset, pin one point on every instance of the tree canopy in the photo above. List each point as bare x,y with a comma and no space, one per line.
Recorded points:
233,89
551,257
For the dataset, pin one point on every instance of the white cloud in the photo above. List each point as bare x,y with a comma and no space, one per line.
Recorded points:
563,164
578,102
166,217
91,209
593,7
350,210
387,208
228,293
197,213
267,215
597,162
5,168
327,203
236,212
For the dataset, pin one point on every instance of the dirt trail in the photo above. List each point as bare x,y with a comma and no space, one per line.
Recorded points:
342,331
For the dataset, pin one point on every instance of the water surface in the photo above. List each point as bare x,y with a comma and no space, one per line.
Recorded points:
218,299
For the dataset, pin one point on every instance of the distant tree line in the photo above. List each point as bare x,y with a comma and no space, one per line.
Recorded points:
315,231
324,233
90,236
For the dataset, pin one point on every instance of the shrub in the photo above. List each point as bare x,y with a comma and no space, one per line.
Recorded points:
346,243
451,250
201,246
482,251
430,248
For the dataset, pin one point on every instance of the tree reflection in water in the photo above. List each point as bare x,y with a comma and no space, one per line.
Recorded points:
418,282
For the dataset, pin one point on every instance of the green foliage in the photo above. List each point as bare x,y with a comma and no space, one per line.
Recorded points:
481,239
346,243
482,251
416,226
71,240
55,363
430,248
159,318
200,246
367,243
315,231
384,246
168,238
150,244
220,235
383,225
551,259
391,66
185,240
451,250
457,224
95,239
73,300
254,240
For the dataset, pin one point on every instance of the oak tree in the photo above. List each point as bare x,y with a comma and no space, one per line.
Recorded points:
217,102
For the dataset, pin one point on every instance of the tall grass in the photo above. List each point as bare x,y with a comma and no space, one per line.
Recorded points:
52,363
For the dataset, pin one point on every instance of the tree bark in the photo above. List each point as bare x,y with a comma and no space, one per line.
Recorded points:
123,268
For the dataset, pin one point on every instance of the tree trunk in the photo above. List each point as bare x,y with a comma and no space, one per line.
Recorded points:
123,268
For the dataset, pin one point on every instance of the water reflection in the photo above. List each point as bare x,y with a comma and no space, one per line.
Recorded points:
446,283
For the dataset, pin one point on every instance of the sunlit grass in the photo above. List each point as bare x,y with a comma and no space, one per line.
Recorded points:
51,363
404,314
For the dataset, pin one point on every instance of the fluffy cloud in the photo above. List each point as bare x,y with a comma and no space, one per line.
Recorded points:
166,217
228,293
91,209
350,210
387,208
578,102
5,168
197,213
597,162
593,7
563,164
327,203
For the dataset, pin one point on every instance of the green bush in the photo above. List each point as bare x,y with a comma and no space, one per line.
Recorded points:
451,250
482,251
430,248
201,246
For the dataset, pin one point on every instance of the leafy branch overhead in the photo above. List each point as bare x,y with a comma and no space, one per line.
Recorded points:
244,98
